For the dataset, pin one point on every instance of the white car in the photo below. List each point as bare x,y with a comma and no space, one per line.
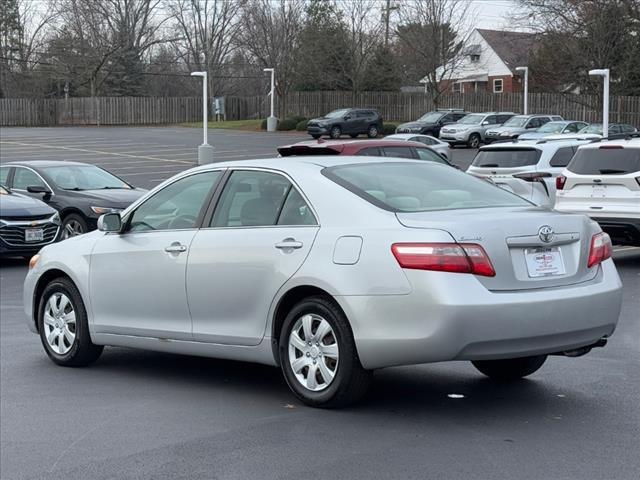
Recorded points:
526,168
603,181
432,142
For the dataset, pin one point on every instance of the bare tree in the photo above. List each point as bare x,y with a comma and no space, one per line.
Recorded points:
208,32
432,34
270,36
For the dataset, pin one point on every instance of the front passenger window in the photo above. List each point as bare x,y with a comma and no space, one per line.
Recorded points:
175,207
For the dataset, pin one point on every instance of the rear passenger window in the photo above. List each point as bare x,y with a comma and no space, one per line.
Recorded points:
296,211
562,157
369,152
251,198
398,152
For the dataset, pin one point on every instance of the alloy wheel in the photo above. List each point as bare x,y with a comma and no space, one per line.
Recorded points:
313,352
72,228
59,323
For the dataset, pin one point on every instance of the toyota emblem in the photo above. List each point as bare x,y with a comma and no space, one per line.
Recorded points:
546,233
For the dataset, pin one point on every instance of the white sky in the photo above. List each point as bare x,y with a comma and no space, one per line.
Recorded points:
494,14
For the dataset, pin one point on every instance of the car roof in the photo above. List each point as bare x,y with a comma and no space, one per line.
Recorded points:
364,143
410,135
312,161
44,163
624,142
540,144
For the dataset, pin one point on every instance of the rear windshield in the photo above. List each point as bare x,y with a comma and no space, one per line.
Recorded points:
419,187
506,157
605,161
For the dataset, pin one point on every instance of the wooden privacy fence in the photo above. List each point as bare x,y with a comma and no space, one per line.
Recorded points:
99,111
392,105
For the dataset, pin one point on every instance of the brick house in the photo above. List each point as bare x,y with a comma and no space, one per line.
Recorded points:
488,62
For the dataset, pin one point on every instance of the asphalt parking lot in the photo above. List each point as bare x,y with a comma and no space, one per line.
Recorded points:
137,414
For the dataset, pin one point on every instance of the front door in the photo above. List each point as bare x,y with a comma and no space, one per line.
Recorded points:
137,277
261,232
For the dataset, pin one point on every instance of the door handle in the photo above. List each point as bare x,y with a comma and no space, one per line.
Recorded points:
288,243
175,248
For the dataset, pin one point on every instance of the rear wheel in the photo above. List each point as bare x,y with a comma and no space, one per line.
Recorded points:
335,132
318,355
474,140
372,132
510,369
63,327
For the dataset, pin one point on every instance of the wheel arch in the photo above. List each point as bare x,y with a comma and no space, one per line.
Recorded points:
45,279
287,302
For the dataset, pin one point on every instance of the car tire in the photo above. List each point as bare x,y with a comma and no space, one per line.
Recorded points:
335,132
315,136
474,140
329,373
63,326
510,369
373,131
73,225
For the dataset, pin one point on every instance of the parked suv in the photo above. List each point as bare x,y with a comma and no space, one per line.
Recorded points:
431,123
349,121
527,169
603,181
513,127
470,129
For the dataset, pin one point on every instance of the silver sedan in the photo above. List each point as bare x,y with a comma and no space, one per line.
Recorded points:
439,146
329,267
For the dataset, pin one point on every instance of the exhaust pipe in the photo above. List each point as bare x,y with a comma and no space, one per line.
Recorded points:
578,352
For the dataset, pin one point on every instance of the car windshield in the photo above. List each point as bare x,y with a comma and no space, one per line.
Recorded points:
552,127
83,177
516,121
506,157
431,117
605,161
592,129
472,120
336,113
419,187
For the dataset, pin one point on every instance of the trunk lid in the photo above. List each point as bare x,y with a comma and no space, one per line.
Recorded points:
511,237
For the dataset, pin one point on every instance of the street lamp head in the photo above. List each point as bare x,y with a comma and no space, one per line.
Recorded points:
601,72
522,69
267,69
198,74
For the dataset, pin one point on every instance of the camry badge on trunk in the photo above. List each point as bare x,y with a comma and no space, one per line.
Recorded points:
546,233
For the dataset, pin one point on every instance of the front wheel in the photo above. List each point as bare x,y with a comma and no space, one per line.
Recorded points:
510,369
335,132
474,140
73,225
318,355
63,327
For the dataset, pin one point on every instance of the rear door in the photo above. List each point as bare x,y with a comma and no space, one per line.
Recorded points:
259,235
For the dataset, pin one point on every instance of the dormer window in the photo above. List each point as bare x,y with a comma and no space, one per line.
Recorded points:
475,58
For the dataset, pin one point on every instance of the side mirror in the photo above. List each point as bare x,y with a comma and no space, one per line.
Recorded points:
485,123
110,222
38,189
347,117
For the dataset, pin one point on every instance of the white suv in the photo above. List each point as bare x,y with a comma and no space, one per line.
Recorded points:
526,168
603,181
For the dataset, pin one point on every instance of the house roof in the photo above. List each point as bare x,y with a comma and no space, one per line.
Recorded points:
513,48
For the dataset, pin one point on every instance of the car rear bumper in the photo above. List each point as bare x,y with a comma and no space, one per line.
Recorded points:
452,316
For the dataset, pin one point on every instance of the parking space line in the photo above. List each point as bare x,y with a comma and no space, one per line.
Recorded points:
100,152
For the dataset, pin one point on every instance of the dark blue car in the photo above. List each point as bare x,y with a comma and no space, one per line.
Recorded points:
26,224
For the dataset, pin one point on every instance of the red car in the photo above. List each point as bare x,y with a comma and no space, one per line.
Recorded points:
373,148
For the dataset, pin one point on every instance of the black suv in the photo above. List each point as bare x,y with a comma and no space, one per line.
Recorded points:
431,123
350,121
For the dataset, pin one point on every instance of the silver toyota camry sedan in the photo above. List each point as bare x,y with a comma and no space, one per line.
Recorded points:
330,268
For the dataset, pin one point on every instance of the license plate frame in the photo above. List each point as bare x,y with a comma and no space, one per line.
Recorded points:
598,191
32,235
544,262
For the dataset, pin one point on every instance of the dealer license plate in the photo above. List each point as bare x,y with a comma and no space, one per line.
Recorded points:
543,262
34,235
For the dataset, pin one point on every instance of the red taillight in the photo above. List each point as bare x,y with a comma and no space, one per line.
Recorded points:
560,181
444,257
600,250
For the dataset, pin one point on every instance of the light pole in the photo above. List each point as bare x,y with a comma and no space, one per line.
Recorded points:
272,121
526,87
604,73
205,151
